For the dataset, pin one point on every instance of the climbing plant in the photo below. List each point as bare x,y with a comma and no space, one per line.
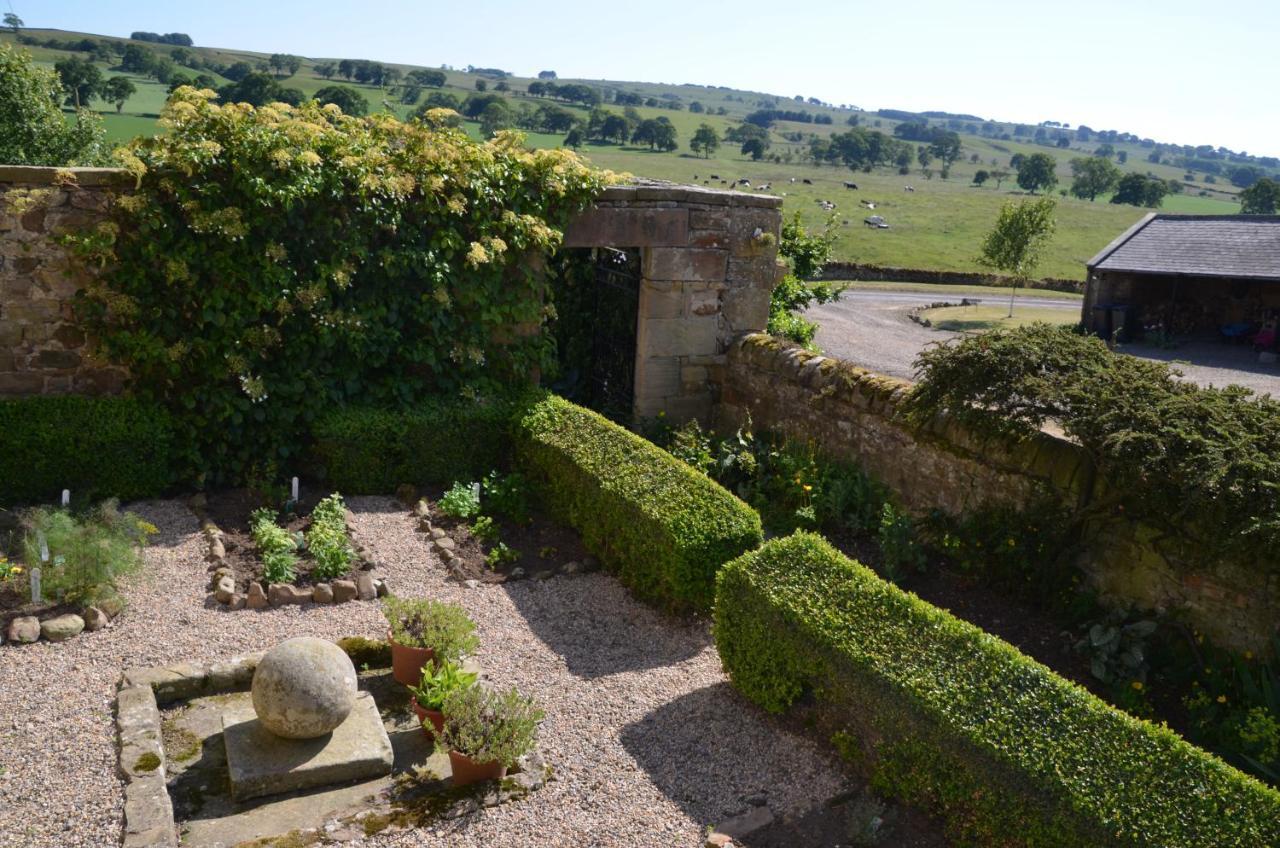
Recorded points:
276,262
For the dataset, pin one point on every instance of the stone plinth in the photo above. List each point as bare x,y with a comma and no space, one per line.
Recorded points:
261,763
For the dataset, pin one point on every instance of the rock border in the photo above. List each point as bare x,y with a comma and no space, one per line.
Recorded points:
28,629
443,546
366,585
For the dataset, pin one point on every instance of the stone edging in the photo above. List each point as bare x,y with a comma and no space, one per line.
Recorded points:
366,586
25,629
917,313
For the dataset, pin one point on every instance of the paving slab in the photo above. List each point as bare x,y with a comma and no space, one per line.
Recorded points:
260,763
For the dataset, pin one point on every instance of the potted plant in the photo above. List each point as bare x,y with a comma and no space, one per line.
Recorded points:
486,732
422,630
438,682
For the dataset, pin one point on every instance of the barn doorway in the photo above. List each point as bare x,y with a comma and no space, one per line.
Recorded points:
596,292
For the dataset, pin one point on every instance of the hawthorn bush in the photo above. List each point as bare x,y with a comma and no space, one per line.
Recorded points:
279,262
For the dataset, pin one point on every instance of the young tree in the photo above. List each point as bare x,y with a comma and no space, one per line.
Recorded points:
755,147
1037,172
924,156
1017,241
574,139
32,129
1261,198
1092,176
999,176
705,141
326,69
13,22
496,116
346,69
117,90
481,85
981,176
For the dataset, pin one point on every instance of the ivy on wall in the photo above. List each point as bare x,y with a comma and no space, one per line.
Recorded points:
277,262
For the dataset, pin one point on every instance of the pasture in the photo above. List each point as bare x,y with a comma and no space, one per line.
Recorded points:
937,226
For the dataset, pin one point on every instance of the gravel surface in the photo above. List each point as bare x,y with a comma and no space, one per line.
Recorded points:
649,743
871,329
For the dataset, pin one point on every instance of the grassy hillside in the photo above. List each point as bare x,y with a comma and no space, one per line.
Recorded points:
938,225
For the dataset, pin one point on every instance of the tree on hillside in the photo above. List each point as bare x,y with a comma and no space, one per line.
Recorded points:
136,59
284,65
614,128
409,93
13,22
575,138
350,101
546,75
32,129
658,133
705,141
481,85
496,116
327,69
981,176
427,78
1140,190
755,147
1017,241
259,89
924,156
999,176
502,86
1037,172
81,80
237,71
117,90
1261,198
346,69
1092,176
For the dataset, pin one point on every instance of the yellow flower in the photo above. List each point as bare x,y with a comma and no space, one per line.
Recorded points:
1137,685
1222,699
808,488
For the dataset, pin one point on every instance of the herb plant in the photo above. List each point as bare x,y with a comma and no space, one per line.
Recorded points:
489,726
424,623
87,553
461,501
327,538
500,555
276,545
439,680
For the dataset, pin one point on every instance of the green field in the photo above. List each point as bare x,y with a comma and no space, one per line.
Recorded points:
950,293
984,317
937,226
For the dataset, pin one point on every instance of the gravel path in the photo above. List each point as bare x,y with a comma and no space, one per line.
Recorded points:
648,741
871,329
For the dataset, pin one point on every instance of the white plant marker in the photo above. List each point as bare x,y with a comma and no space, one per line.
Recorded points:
475,491
66,498
295,490
44,546
35,586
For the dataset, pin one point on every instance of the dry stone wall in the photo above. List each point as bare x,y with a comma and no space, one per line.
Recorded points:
852,413
42,351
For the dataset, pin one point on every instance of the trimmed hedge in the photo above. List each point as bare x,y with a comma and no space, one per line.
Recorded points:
941,714
367,450
97,447
662,527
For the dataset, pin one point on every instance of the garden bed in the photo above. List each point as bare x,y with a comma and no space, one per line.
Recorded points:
240,574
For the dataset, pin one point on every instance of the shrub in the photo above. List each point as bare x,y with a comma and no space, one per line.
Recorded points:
327,538
1199,462
663,527
369,450
461,501
439,680
96,447
424,623
86,554
489,726
939,713
321,260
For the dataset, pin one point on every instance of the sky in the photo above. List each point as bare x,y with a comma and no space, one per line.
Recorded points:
1176,71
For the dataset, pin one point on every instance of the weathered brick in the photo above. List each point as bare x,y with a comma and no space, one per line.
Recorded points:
678,336
655,302
746,309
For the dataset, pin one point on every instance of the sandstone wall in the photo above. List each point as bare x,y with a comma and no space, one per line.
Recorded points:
42,351
852,413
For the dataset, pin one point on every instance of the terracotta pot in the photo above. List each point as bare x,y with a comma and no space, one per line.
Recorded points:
407,663
424,715
467,770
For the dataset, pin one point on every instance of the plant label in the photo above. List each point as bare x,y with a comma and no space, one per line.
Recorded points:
475,491
44,546
35,586
294,496
66,498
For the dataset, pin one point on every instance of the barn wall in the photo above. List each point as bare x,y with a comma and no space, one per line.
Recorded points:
852,414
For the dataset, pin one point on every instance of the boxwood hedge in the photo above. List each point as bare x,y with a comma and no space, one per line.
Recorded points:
96,447
939,713
370,450
662,527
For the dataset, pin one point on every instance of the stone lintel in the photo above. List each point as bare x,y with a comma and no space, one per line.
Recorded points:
623,227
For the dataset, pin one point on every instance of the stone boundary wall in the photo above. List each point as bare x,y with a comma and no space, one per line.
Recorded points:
42,351
855,271
852,414
709,264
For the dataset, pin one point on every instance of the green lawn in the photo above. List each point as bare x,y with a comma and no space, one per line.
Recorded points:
948,292
984,317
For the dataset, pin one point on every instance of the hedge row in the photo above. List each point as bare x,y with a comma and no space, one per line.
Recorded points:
941,714
96,447
662,527
368,450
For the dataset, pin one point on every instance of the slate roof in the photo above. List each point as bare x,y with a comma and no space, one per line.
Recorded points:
1234,246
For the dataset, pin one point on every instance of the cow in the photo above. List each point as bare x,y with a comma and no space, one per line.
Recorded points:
908,188
744,182
849,185
715,176
764,187
808,181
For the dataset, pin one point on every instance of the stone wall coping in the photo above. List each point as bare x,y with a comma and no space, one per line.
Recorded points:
650,190
40,175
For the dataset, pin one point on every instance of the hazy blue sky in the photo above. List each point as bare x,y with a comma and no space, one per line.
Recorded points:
1186,72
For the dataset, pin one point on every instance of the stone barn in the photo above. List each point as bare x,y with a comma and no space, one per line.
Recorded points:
1187,276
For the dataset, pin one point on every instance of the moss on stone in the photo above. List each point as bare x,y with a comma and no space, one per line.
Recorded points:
180,744
149,761
371,653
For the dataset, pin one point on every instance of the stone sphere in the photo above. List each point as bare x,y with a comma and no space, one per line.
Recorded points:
304,688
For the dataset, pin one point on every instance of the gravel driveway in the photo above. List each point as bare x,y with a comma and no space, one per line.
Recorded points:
872,329
648,741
